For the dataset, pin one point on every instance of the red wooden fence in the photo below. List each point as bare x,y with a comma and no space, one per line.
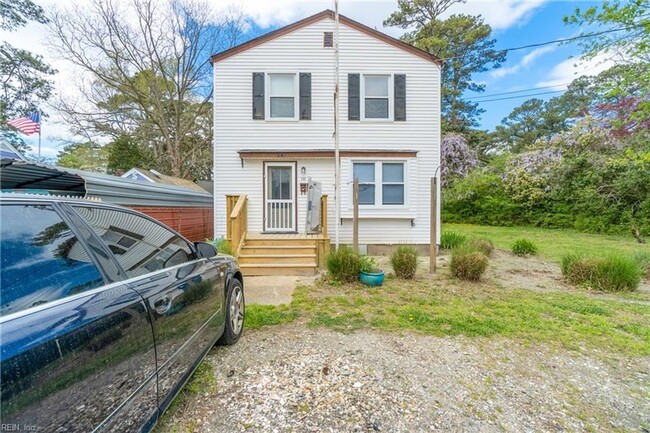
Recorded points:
195,223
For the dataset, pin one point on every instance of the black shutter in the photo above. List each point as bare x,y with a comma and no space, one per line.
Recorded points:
305,96
258,95
400,97
354,107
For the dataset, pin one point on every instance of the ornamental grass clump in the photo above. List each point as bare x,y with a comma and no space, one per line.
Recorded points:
450,240
468,263
222,245
524,247
609,274
405,261
483,245
344,265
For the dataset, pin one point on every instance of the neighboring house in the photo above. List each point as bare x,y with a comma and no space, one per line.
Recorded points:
154,176
274,125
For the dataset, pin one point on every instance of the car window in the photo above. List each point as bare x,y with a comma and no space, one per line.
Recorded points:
139,244
42,260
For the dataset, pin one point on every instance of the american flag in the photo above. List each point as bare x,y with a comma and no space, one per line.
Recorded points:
27,125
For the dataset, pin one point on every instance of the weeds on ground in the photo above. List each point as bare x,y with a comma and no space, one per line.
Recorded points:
468,263
609,274
203,381
483,245
524,247
404,261
451,239
264,315
222,245
446,306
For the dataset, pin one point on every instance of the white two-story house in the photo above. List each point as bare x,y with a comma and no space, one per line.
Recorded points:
274,131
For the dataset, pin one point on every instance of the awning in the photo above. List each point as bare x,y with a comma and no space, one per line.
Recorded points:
20,176
293,154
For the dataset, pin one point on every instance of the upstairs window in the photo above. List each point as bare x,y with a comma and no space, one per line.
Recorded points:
282,96
376,97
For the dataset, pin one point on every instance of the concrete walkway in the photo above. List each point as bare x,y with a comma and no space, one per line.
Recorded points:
272,289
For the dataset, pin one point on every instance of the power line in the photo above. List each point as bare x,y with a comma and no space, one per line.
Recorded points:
522,96
519,91
556,41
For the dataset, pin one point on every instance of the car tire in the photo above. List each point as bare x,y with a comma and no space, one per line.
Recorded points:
235,313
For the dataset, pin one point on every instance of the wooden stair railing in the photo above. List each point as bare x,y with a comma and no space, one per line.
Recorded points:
237,221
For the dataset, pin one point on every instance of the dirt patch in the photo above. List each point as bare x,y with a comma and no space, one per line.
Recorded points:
292,378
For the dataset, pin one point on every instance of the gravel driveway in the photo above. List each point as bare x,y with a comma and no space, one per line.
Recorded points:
292,378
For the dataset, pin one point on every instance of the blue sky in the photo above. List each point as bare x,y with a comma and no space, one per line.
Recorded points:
550,65
514,22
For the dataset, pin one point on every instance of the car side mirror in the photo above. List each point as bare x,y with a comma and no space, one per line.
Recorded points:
206,250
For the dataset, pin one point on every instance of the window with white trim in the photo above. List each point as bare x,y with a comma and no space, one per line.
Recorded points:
380,183
392,183
283,100
377,97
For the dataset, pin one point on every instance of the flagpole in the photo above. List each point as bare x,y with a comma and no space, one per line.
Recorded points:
40,126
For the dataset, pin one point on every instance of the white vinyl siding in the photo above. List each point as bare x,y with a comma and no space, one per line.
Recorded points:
301,50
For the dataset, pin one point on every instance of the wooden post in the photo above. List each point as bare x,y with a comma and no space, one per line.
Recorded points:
355,221
323,215
434,225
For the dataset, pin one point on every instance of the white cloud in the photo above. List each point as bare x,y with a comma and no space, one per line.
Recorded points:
500,14
265,13
570,69
524,62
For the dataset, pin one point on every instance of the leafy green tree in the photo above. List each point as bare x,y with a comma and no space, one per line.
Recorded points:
628,44
124,153
25,84
464,43
87,156
149,76
523,126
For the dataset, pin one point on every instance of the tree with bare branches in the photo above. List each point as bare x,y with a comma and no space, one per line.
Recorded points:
146,74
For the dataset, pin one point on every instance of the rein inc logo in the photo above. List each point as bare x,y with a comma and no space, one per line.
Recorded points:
18,427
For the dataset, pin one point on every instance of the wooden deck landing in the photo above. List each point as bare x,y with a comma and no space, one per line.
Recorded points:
282,253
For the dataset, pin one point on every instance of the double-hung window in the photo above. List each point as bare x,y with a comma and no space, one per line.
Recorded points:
380,183
392,183
376,97
365,172
282,96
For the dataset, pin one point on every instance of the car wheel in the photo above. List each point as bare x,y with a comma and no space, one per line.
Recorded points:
235,313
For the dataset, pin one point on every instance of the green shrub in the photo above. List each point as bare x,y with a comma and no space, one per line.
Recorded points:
610,274
524,247
483,245
405,261
368,264
468,264
344,265
451,240
222,245
643,259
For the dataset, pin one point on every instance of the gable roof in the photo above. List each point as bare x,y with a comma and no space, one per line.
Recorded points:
164,179
315,18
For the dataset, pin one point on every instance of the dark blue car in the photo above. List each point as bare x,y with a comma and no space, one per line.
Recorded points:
104,314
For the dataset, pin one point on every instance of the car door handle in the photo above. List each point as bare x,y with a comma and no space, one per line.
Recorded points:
163,304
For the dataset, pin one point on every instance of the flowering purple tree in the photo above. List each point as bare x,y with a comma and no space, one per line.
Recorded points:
457,159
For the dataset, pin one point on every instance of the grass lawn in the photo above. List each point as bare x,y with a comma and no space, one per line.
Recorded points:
553,243
442,305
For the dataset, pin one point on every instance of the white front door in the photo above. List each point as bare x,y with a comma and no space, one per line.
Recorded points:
280,196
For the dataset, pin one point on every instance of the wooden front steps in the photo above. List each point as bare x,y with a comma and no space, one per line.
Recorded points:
282,254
